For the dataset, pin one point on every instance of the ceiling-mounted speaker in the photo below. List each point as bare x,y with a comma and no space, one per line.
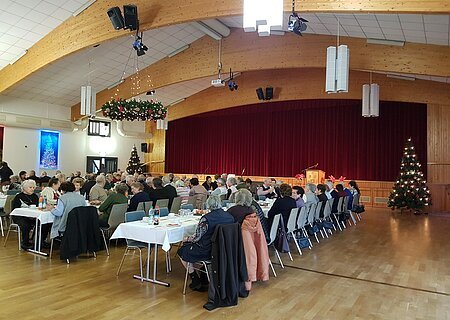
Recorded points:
269,93
130,15
260,93
116,18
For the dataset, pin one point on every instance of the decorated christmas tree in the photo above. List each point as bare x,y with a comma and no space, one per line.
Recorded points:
410,190
134,164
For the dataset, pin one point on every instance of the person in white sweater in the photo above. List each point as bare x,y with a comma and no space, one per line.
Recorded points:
51,192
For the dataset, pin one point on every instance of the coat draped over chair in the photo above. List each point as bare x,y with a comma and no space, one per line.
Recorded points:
256,250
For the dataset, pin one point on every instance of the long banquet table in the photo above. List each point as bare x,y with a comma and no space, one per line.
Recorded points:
170,230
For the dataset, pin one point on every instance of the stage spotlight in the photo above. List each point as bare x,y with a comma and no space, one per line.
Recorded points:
139,46
232,85
297,24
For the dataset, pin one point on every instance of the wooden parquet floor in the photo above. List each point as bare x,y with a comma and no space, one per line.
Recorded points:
389,266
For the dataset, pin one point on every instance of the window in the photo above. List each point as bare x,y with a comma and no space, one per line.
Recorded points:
99,128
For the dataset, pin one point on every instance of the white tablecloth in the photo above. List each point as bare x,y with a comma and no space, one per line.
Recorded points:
43,216
162,234
2,201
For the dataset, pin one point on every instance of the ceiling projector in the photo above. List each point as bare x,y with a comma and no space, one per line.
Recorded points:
218,83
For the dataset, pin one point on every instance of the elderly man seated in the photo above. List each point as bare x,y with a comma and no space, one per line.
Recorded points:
267,189
98,193
221,188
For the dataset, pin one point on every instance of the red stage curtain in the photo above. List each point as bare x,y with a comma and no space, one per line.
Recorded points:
282,138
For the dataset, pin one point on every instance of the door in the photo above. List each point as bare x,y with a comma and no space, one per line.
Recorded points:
101,164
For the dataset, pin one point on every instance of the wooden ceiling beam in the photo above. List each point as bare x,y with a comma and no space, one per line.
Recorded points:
294,84
247,52
92,26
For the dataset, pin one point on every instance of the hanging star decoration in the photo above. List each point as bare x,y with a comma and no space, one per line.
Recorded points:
133,109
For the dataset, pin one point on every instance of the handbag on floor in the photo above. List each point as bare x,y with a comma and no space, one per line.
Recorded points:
303,242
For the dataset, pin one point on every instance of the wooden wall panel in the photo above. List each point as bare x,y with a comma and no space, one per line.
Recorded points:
156,155
295,84
438,126
287,52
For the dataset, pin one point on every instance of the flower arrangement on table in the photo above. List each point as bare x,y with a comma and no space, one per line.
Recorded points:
333,179
299,176
134,110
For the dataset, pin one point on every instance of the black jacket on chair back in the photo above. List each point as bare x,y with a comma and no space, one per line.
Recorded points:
82,233
229,268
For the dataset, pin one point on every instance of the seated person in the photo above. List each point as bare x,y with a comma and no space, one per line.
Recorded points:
231,184
22,176
171,192
15,183
25,198
182,191
310,192
158,192
32,176
78,183
68,200
138,196
89,183
197,188
283,205
321,189
297,194
267,190
51,193
221,188
198,246
243,199
118,197
98,193
44,178
208,183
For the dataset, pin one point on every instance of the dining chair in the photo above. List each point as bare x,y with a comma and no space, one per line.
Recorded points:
291,227
144,206
14,227
132,244
162,203
116,217
176,205
302,221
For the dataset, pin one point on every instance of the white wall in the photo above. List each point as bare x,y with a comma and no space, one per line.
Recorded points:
21,150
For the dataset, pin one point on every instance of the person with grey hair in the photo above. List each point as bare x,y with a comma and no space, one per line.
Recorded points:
267,189
310,193
182,191
243,199
15,183
98,193
221,188
119,196
170,190
25,198
198,246
231,184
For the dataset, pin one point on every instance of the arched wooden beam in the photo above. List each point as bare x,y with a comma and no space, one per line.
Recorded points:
247,52
300,84
93,26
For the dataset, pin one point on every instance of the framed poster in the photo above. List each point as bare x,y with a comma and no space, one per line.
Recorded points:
49,150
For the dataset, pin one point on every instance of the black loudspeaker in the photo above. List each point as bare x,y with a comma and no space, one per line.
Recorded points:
116,18
260,93
269,93
130,15
144,147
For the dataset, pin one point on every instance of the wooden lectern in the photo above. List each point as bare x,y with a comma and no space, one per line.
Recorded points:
315,176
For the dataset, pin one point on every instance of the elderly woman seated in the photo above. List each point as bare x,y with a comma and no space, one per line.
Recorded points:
283,205
51,193
138,196
98,193
198,246
25,198
118,197
78,183
68,200
243,199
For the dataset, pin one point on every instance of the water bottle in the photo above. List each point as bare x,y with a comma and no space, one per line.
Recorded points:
44,203
156,216
150,216
41,202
